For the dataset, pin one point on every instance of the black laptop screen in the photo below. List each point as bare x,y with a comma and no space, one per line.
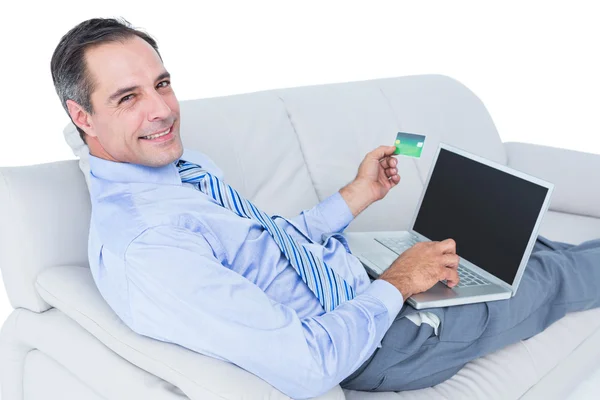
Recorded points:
489,213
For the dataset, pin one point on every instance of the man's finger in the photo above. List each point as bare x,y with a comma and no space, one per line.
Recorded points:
451,277
388,162
451,260
389,172
448,246
383,151
395,179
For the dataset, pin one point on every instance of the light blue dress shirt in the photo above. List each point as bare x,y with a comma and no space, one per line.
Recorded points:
176,266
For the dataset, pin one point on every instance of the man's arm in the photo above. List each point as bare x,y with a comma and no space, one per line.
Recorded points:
332,215
180,293
377,174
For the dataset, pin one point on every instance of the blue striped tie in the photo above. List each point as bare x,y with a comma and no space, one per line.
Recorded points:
330,288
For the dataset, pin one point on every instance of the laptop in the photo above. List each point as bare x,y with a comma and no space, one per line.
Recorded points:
493,212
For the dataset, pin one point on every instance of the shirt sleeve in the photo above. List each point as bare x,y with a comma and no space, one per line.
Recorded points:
180,293
332,215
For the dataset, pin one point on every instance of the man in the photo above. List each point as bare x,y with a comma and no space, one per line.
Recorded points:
181,257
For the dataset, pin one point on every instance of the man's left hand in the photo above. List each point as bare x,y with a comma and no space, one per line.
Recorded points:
377,175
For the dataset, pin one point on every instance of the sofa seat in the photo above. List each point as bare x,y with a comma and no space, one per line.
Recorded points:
510,373
53,380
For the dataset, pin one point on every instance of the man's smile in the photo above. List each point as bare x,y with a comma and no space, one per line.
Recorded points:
162,136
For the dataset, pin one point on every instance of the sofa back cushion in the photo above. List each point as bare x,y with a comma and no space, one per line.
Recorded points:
338,124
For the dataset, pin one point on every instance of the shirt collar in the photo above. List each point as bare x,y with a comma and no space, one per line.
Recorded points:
129,173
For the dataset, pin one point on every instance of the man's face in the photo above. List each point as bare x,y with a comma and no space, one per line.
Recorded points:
132,99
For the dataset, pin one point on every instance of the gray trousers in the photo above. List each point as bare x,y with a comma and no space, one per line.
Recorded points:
559,278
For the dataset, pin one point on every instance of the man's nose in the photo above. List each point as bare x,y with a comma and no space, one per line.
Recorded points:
158,108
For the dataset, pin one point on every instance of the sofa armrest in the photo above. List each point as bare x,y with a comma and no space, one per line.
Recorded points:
44,221
575,174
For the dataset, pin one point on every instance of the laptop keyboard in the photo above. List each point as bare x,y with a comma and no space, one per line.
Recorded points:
397,245
468,278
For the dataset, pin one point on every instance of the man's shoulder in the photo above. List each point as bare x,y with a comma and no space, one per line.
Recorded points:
119,220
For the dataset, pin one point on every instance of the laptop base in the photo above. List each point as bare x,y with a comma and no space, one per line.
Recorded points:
441,295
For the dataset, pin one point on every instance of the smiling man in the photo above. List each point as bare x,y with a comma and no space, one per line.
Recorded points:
182,257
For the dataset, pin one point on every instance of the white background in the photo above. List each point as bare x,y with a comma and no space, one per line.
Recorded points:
533,64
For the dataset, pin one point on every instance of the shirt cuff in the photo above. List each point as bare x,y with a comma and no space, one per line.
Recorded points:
335,212
389,295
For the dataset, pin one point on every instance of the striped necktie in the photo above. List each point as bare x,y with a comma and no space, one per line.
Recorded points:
330,288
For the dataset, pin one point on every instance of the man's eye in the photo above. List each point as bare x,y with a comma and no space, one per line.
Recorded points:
166,83
126,98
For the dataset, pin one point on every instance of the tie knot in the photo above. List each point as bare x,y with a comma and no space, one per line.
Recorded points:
190,172
183,165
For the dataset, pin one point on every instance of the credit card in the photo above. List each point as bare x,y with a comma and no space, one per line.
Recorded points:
409,144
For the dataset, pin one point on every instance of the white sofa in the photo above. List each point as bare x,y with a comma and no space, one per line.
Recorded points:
62,341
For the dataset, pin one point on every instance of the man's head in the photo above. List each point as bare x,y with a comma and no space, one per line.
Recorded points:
111,81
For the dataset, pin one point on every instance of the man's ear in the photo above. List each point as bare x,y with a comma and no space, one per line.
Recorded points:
80,117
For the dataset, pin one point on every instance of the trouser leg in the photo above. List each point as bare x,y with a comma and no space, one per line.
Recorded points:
559,278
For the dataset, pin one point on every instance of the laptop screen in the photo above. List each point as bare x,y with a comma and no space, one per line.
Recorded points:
489,213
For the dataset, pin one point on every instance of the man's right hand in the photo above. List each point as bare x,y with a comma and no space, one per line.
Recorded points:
422,266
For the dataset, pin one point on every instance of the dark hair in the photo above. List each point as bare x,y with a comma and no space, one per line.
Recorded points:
69,72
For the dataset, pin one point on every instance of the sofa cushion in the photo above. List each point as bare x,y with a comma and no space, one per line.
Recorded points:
574,174
73,291
336,126
444,110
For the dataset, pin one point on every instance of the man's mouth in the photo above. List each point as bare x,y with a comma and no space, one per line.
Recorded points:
157,135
